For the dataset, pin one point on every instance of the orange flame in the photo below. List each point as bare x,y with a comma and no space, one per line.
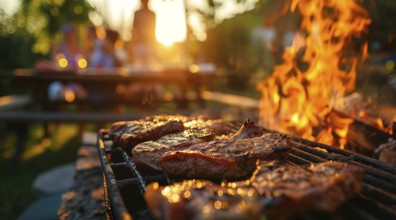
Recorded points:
318,70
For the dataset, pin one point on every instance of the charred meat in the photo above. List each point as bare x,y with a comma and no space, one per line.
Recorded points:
297,189
225,158
128,134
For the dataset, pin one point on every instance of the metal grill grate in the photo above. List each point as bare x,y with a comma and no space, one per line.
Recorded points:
125,185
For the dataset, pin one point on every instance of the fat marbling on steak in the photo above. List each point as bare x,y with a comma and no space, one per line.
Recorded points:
226,158
128,134
148,154
277,191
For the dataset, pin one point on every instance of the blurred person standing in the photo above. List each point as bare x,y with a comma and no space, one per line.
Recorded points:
143,43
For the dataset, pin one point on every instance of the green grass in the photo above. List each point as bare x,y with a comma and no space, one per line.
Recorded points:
40,155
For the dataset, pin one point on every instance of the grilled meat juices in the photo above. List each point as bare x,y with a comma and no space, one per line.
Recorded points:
276,191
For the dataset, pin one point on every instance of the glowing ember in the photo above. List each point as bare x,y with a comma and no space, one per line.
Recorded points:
318,70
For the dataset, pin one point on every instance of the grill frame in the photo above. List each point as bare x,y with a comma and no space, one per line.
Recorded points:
376,201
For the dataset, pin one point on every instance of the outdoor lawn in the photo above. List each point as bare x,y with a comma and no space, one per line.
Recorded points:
40,155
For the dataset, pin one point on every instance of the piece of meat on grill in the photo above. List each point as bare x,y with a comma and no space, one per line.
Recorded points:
200,199
148,154
225,158
289,190
218,126
276,191
128,134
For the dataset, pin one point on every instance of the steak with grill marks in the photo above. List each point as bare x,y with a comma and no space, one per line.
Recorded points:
321,187
229,158
275,190
149,153
128,134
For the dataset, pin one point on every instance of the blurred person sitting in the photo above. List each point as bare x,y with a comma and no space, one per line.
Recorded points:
143,43
106,54
66,55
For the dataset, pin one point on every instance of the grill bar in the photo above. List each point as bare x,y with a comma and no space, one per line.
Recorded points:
357,157
379,183
135,173
378,172
376,201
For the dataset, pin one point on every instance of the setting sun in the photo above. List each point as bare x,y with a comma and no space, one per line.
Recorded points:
171,25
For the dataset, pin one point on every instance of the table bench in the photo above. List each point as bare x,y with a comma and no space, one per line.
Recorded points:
10,102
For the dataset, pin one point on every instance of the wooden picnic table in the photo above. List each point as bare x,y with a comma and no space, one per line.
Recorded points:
110,81
43,110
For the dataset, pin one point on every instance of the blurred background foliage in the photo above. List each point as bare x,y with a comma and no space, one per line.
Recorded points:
28,34
382,31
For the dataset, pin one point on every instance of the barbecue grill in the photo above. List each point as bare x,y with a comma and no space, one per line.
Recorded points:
124,184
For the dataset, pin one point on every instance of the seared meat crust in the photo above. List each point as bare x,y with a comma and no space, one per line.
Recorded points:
128,134
297,189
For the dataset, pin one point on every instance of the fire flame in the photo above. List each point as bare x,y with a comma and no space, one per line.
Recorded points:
318,70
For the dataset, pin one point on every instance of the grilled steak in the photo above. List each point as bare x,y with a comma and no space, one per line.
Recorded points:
276,191
290,190
149,153
224,158
218,126
127,134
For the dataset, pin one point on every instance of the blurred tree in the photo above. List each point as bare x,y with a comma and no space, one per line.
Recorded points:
28,34
15,44
44,19
230,39
229,46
